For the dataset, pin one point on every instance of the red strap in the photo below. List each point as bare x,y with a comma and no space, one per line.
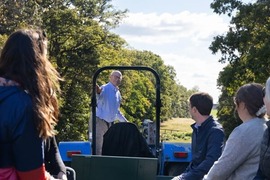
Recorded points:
37,174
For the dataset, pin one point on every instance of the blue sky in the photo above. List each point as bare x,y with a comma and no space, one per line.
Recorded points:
180,32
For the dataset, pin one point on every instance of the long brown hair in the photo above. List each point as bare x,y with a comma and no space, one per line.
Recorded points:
23,59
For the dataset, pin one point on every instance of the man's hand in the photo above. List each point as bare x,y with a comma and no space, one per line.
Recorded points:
61,176
98,89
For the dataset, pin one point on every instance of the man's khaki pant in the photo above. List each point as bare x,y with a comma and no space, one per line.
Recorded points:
101,128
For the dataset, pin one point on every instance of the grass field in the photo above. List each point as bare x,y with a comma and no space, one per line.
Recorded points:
180,124
176,130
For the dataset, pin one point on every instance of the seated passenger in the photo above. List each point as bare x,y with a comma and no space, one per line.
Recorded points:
28,105
240,158
207,137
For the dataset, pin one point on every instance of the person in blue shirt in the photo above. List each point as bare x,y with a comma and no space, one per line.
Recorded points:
108,107
29,85
207,137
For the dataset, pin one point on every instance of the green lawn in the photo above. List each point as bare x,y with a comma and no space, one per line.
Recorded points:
176,130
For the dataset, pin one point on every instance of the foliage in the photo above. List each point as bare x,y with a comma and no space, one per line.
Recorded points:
138,88
80,42
245,47
178,136
19,13
79,38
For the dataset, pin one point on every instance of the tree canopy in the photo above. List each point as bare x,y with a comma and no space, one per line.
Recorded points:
80,41
246,50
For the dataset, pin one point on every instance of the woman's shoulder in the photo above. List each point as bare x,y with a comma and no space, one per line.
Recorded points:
18,98
15,109
253,128
14,102
255,122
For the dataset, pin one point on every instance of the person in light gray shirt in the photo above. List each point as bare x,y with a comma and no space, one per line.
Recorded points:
240,158
108,107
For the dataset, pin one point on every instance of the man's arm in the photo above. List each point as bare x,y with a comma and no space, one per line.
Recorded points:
119,114
53,161
100,92
98,89
121,117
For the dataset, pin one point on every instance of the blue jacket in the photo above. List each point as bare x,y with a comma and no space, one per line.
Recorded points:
207,144
20,144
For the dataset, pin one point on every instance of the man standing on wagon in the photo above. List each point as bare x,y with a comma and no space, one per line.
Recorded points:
108,107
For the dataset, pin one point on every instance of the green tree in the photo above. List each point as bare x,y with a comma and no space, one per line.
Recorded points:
80,42
79,38
245,47
173,95
17,14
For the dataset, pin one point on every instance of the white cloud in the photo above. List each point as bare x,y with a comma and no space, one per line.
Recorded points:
193,72
170,28
182,40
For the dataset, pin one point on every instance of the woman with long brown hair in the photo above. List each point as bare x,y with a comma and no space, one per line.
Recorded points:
28,104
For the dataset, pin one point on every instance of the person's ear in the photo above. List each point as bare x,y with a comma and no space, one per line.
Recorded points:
194,109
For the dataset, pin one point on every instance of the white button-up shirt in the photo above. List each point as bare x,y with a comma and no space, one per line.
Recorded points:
108,104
